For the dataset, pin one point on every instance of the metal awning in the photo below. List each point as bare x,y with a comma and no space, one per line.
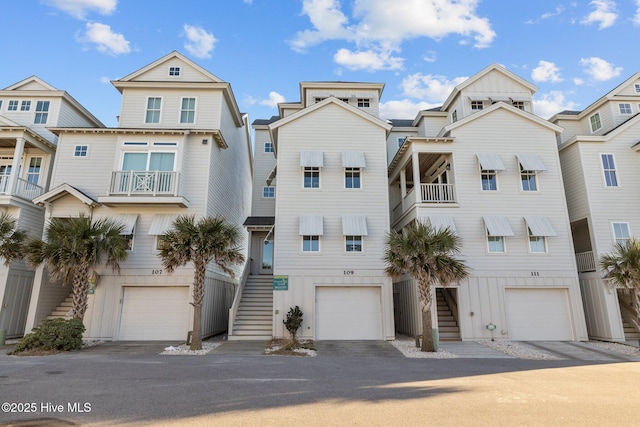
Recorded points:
272,175
162,223
497,225
490,162
311,225
539,226
354,225
128,220
478,98
520,98
353,159
531,162
441,222
497,98
311,159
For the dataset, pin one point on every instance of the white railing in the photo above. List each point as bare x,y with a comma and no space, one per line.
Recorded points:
437,193
28,190
233,311
144,183
585,261
4,184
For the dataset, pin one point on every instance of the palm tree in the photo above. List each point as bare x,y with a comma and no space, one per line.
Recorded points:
428,255
73,247
210,239
622,269
11,239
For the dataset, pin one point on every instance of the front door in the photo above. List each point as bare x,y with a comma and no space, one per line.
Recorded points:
266,256
5,172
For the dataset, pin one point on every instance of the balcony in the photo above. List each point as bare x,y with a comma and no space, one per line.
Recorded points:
144,187
586,262
437,193
24,189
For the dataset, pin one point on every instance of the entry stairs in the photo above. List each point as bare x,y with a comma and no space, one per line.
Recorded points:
63,310
630,332
448,328
254,320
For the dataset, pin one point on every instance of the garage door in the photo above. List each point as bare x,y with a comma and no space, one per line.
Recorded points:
348,313
155,313
538,315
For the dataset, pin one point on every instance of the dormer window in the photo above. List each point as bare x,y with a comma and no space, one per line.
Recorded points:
477,105
454,116
318,99
637,86
174,71
518,104
625,108
364,102
344,100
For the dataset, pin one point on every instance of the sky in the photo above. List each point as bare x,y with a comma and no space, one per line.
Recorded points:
573,51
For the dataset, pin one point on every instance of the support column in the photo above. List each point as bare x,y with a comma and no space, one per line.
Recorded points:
15,166
417,190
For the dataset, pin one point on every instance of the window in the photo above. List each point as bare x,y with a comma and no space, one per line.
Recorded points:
352,178
625,108
528,179
364,102
42,112
25,106
609,170
160,240
454,116
188,110
518,104
153,110
621,232
268,147
489,180
174,71
595,122
344,100
310,243
401,141
353,243
537,244
147,172
0,104
148,161
81,151
128,239
269,192
318,99
477,105
311,177
495,244
637,86
13,106
33,174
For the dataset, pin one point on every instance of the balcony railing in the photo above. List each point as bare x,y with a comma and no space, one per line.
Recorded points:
437,193
135,183
586,262
24,188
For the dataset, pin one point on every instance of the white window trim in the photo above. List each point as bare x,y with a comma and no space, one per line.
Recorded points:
263,192
495,174
535,177
310,252
591,123
28,165
604,178
544,241
175,76
43,112
504,244
620,108
148,153
319,170
361,251
613,230
15,103
146,109
75,147
346,170
266,144
195,110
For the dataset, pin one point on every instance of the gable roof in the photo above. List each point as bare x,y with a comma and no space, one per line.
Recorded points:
64,190
481,74
169,56
500,105
34,83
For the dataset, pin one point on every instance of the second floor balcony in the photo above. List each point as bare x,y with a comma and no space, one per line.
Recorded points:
24,189
144,187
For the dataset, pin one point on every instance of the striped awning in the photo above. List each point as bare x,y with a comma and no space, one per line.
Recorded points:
497,225
311,225
353,159
311,159
441,222
128,220
490,162
354,225
531,162
161,223
539,226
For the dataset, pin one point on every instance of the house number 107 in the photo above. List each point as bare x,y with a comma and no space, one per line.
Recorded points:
156,271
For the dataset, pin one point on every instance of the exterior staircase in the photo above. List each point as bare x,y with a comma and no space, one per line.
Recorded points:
254,320
630,332
63,310
447,324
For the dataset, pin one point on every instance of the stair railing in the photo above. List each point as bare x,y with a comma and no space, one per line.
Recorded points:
233,311
631,314
451,303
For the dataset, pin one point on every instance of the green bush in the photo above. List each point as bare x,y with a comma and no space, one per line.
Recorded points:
53,335
293,321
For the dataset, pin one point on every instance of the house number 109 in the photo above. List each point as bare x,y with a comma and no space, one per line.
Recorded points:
348,272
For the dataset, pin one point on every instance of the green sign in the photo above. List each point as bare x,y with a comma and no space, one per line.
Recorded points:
280,283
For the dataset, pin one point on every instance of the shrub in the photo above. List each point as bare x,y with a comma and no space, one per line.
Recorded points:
293,321
53,335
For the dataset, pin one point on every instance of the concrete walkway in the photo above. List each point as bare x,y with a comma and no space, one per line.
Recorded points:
357,349
241,348
472,350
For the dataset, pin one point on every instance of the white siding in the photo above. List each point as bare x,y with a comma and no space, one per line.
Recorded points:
264,163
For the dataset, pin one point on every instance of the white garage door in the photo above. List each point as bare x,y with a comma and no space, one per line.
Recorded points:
538,315
155,313
348,313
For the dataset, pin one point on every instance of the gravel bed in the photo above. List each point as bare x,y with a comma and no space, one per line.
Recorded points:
627,350
183,349
408,347
517,350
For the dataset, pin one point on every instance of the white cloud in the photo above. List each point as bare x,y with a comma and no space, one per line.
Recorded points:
636,17
105,39
431,56
599,69
274,99
578,81
546,72
404,109
380,26
557,11
105,80
247,1
80,8
431,87
552,103
605,14
199,43
367,60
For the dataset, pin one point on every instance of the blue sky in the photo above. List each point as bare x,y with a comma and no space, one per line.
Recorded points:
574,52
